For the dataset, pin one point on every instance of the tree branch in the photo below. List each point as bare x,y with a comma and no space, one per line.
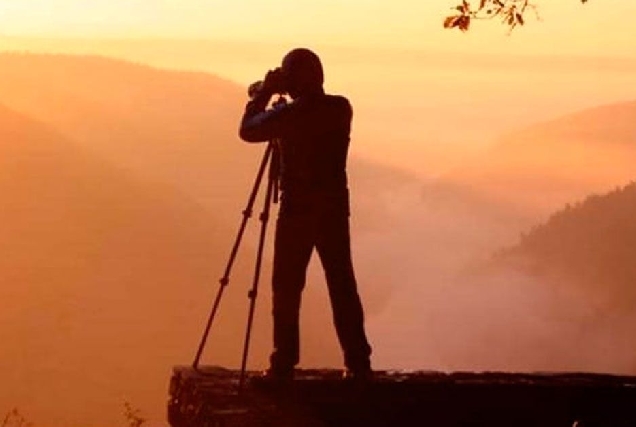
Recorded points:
511,12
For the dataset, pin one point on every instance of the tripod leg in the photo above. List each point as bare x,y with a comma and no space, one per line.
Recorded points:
225,280
257,273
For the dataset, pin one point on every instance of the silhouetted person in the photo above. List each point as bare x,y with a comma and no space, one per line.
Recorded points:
314,139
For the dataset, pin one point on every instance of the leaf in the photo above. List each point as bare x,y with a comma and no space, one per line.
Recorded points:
519,18
464,8
482,4
451,21
464,23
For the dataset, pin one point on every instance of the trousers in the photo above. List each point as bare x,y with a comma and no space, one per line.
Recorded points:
297,234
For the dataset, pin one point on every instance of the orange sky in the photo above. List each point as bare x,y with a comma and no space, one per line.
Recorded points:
600,26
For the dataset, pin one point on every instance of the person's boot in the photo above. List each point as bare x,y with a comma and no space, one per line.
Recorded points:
273,378
363,374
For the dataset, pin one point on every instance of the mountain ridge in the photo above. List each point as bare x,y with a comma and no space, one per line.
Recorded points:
618,114
84,245
545,165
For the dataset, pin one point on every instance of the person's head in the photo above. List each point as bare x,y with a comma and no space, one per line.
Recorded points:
303,72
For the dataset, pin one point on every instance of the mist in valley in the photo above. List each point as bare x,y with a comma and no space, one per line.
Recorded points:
124,186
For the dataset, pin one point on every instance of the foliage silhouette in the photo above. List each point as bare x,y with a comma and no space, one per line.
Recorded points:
590,242
511,12
133,415
14,418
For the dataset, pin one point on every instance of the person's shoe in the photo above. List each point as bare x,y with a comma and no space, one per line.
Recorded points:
358,375
273,378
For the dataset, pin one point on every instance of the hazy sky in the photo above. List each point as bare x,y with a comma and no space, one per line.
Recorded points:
378,53
601,26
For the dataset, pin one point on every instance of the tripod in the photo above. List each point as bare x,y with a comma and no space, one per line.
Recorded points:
270,157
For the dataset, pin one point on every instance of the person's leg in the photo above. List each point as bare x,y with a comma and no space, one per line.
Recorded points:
292,250
333,246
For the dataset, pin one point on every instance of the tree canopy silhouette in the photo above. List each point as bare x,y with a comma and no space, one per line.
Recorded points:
591,242
511,12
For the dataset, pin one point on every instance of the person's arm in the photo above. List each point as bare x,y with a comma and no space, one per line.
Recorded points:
259,124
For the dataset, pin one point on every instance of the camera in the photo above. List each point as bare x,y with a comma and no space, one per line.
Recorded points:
275,82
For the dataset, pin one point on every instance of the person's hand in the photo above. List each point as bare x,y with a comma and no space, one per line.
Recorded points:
254,88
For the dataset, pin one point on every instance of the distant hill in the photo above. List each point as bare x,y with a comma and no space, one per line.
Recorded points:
106,279
176,127
545,165
608,124
589,245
